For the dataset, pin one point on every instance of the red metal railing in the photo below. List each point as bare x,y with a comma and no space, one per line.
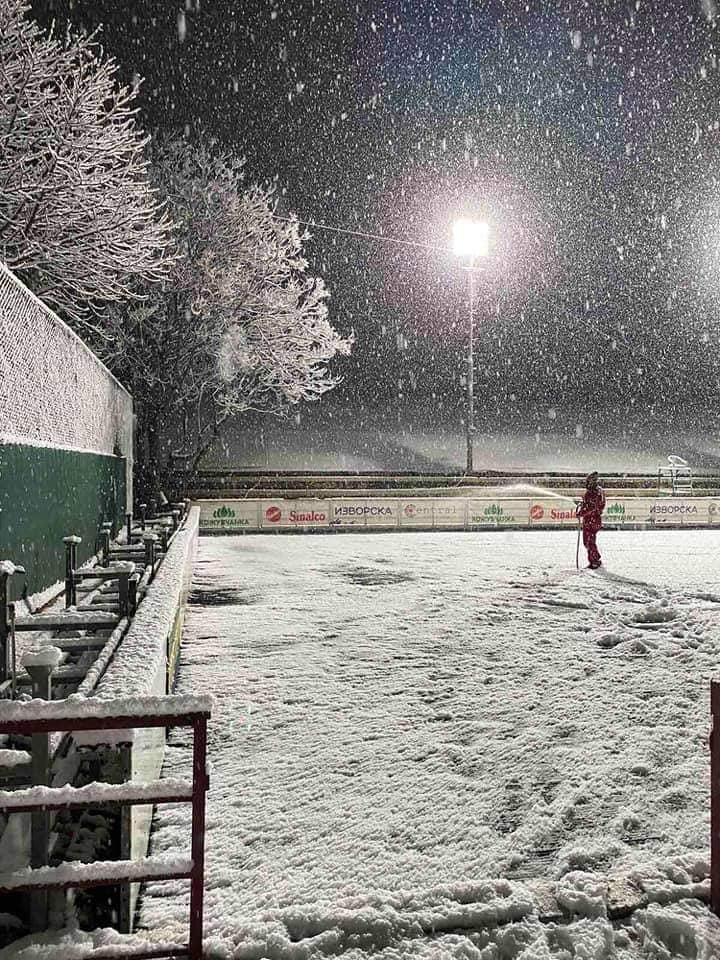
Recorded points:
715,796
135,871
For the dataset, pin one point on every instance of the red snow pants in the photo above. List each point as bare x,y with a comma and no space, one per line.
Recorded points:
590,532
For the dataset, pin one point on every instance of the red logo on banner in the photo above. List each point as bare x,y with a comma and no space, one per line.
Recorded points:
410,510
273,514
536,512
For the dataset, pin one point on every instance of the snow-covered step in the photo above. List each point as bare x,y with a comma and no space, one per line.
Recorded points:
67,620
73,644
107,574
65,674
131,792
96,874
107,607
142,709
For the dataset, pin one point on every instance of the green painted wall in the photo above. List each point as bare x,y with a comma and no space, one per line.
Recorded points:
46,494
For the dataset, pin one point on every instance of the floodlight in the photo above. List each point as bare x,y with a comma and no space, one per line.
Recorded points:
470,238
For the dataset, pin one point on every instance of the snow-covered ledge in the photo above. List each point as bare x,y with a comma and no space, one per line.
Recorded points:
139,666
140,669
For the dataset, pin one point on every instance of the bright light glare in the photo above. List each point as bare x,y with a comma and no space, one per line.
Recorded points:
470,238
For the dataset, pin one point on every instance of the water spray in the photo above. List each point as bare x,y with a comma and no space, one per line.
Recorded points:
544,492
538,492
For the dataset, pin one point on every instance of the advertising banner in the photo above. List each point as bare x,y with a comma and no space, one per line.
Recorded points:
450,512
686,512
416,513
497,513
228,516
238,516
284,514
432,512
628,511
364,513
552,512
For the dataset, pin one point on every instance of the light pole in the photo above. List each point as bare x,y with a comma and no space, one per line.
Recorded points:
470,239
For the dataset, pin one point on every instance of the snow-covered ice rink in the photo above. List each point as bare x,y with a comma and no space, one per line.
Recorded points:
413,730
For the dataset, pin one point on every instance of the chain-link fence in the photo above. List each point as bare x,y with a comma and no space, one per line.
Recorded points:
53,390
66,439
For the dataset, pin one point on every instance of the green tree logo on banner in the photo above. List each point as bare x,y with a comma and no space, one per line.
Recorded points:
224,513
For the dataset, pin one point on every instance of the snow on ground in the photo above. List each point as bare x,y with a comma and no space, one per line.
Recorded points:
413,730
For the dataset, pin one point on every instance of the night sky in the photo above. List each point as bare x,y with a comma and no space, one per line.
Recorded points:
587,133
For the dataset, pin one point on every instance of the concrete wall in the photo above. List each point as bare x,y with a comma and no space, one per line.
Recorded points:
66,438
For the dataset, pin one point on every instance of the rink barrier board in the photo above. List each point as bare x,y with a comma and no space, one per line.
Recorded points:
451,513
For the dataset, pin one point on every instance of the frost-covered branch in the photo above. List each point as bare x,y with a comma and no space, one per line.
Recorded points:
239,325
79,220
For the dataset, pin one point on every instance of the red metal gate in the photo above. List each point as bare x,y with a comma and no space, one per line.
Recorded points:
48,717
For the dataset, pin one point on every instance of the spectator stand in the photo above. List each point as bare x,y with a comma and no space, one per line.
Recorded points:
68,649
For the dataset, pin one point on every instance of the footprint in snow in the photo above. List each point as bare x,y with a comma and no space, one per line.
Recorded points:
610,640
655,615
622,643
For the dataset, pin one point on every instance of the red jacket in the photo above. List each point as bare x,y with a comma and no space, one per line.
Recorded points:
591,508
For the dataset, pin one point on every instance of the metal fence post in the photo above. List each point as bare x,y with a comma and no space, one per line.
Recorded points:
7,624
124,593
125,924
197,883
5,627
715,797
149,541
132,593
71,545
106,535
41,675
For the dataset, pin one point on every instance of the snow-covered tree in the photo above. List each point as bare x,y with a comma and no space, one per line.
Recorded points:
239,326
79,221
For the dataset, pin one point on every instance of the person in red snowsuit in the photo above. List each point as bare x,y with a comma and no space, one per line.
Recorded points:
590,511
